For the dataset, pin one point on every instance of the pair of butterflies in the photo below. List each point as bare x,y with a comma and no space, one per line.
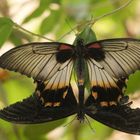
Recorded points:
99,69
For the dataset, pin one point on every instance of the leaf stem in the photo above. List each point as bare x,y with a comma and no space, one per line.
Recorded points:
91,22
37,35
110,13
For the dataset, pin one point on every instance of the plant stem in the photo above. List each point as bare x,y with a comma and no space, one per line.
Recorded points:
91,22
25,30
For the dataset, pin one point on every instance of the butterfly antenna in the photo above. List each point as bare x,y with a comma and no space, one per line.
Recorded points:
89,124
69,123
72,30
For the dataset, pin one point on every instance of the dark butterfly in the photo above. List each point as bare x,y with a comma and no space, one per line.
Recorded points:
100,69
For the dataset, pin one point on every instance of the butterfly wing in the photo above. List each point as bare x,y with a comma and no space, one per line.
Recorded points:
33,110
50,64
122,118
105,90
119,57
109,63
38,60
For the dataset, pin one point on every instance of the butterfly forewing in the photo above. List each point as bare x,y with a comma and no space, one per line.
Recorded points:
38,60
119,57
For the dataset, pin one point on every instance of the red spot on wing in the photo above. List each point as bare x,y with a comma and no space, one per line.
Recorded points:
95,45
65,47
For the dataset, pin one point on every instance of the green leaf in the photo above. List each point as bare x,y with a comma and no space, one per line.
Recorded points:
19,37
15,85
6,27
50,22
38,131
133,83
87,35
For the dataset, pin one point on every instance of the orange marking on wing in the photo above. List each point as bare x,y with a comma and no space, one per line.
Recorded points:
56,104
55,86
48,104
93,83
80,81
103,85
100,83
62,85
107,85
52,104
112,103
113,85
103,103
95,95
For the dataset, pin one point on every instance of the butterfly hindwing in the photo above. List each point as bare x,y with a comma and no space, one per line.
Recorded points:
38,108
122,118
117,114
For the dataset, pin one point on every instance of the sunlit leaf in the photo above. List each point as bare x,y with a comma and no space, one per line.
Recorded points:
39,131
50,22
133,83
17,37
6,26
17,88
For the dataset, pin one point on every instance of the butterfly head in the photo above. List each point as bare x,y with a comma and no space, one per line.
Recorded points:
80,42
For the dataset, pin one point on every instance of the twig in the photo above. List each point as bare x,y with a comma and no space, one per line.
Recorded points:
91,22
25,30
110,13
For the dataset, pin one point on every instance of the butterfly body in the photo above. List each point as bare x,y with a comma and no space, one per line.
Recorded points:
99,69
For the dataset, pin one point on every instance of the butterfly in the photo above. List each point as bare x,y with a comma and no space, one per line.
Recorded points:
99,69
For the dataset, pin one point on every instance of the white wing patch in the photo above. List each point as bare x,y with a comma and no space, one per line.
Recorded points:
61,78
122,57
99,77
37,60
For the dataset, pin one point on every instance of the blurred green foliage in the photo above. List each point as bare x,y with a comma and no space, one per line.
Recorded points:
57,17
6,26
